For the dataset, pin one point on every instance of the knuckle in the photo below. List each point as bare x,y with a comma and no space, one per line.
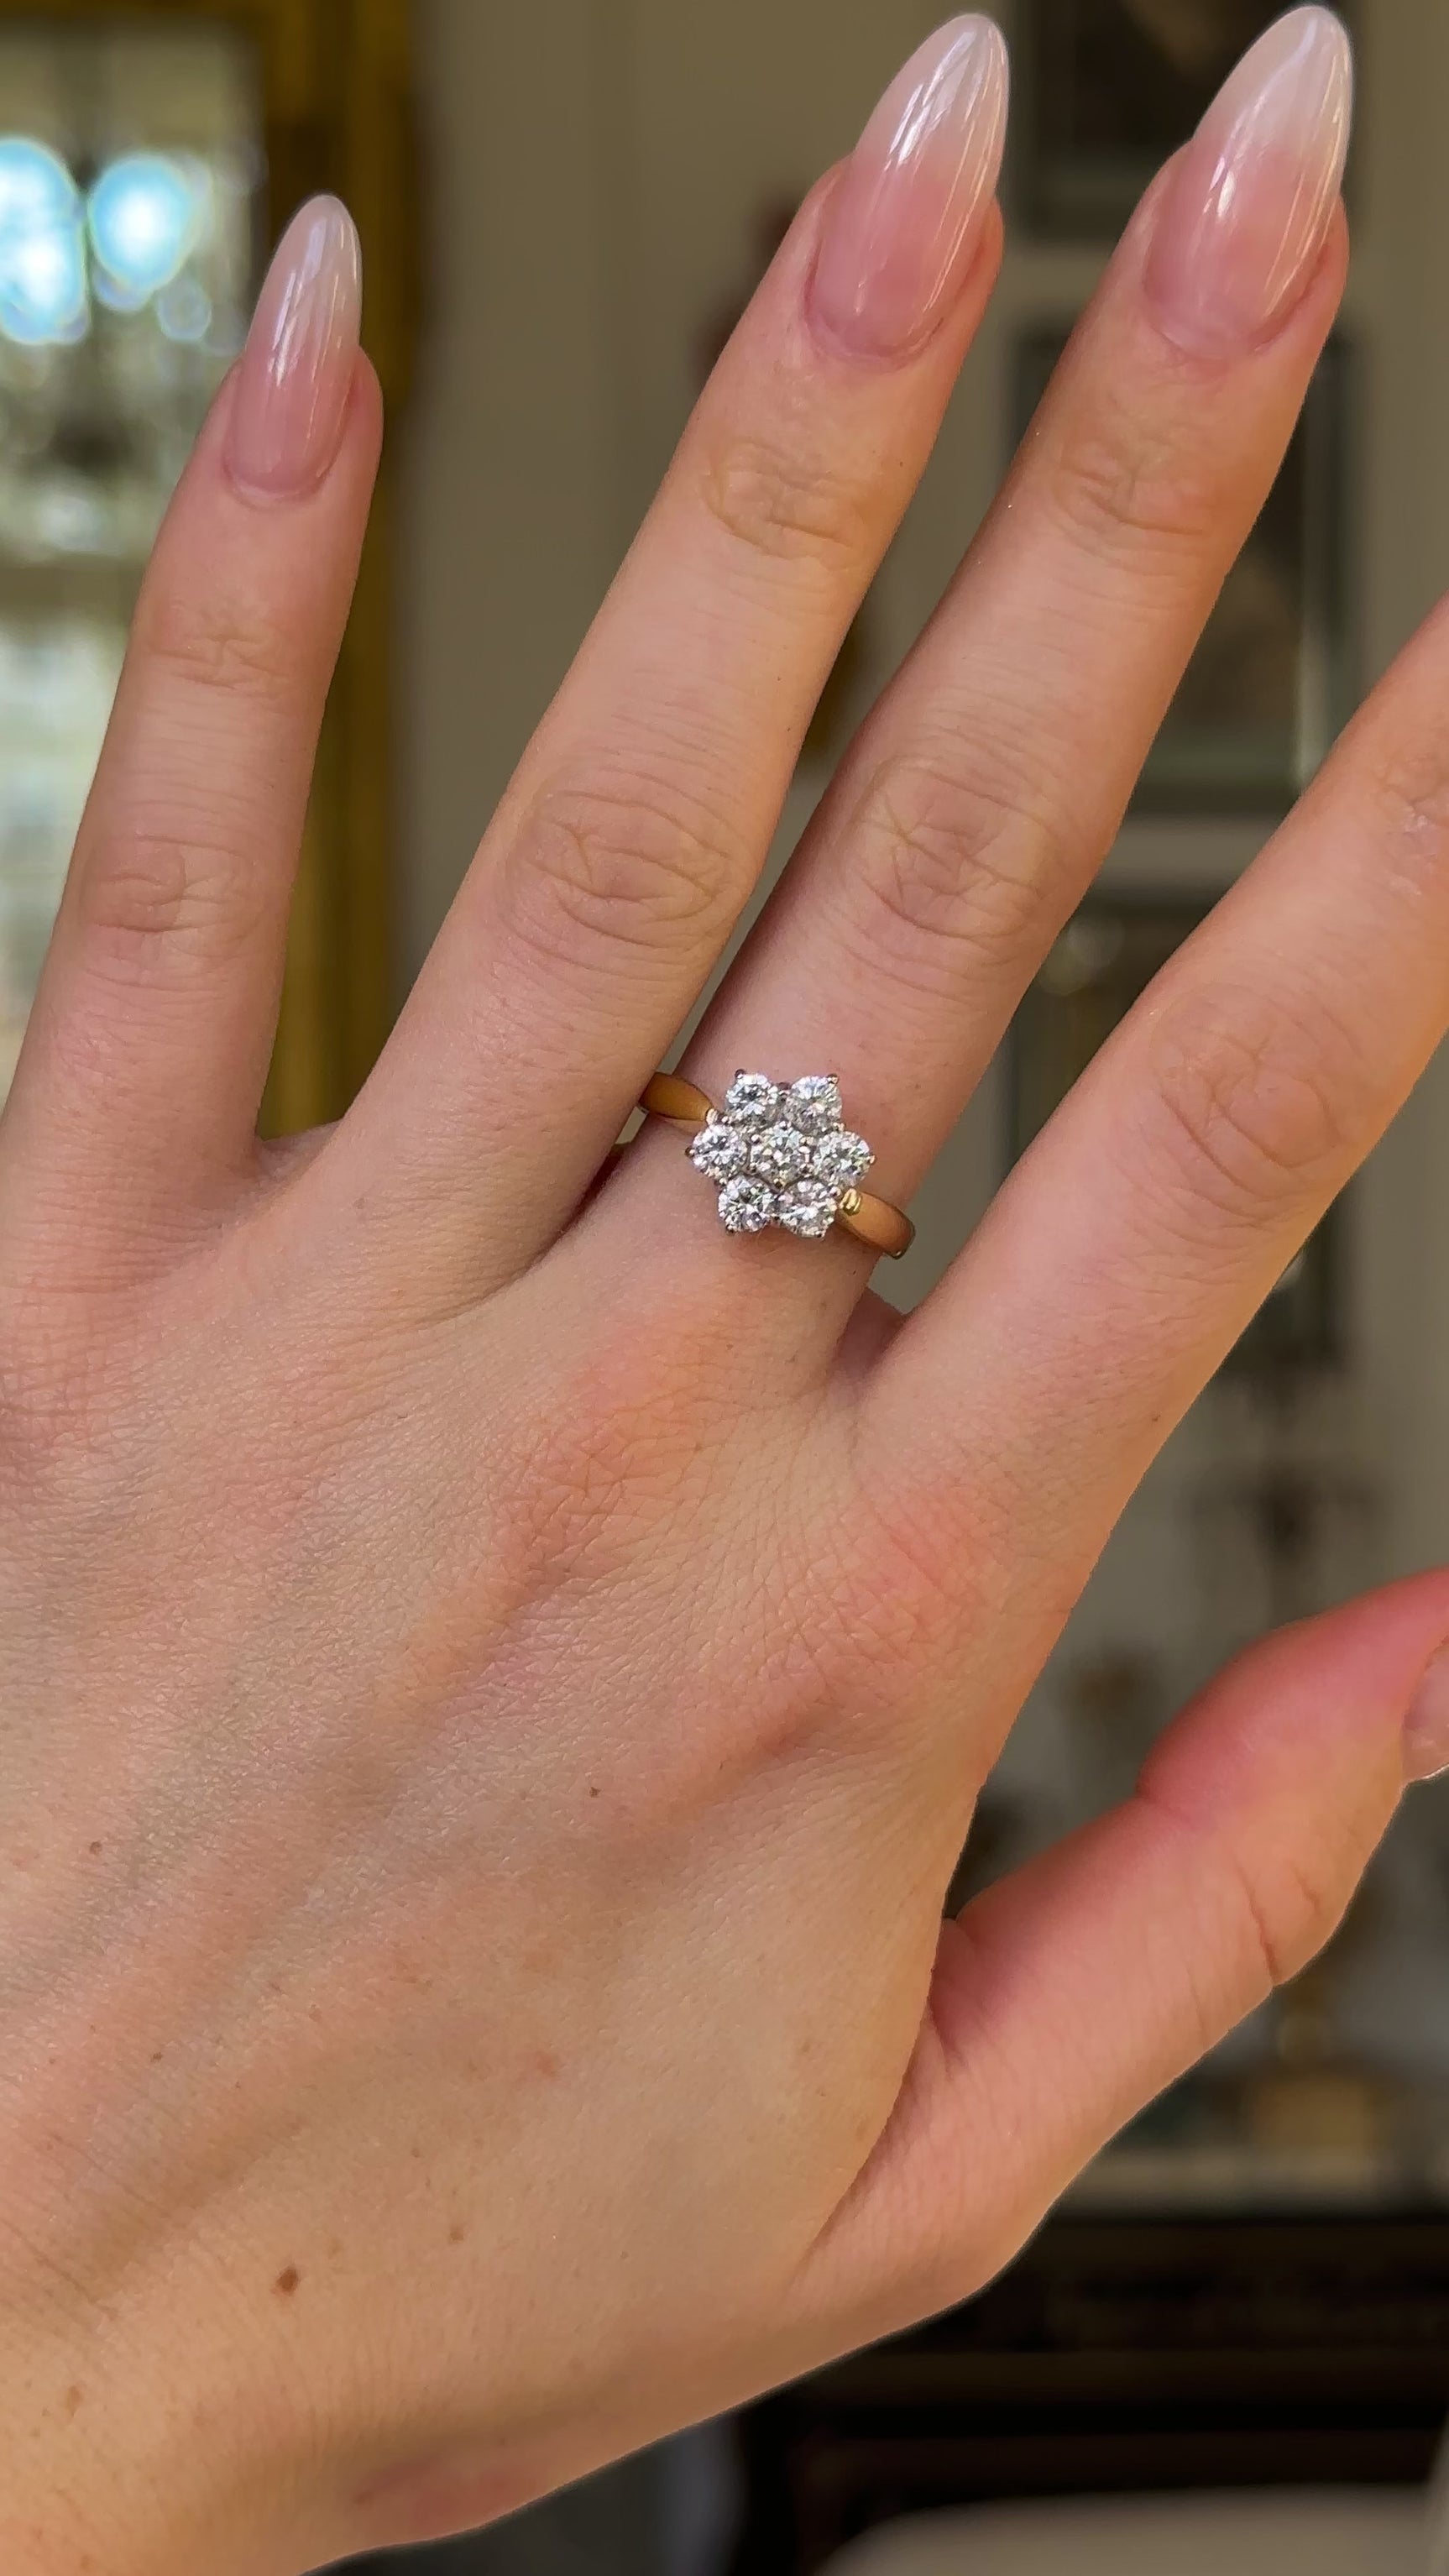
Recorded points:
612,1456
1113,482
57,1455
1284,1905
1254,1096
215,647
952,870
1408,788
168,889
1289,1909
910,1575
635,863
787,504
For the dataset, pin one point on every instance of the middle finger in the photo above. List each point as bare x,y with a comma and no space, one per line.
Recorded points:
983,794
633,831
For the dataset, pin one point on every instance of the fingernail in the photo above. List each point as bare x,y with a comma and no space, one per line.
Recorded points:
906,217
1426,1729
296,369
1245,213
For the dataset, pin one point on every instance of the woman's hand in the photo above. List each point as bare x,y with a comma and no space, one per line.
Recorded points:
496,1677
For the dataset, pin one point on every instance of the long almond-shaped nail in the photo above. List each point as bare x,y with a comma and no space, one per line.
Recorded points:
1426,1730
904,222
296,370
1245,212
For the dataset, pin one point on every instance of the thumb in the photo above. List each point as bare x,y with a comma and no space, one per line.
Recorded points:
1066,1996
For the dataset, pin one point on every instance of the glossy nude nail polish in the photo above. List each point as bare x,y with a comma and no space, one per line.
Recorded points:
904,223
295,376
1426,1729
1245,212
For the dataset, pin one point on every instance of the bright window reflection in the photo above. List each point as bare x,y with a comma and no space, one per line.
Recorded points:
130,213
145,214
42,254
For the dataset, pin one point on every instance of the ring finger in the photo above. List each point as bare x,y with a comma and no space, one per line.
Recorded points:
981,797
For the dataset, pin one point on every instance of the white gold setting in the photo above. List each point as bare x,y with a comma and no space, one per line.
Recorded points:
781,1154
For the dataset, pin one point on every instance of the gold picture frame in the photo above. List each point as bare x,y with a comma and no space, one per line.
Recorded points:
335,92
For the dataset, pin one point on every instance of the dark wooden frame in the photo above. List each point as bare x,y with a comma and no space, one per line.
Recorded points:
1122,2357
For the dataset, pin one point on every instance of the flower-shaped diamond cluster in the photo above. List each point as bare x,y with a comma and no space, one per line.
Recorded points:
780,1154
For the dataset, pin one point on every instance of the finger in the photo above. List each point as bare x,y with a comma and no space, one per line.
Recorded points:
148,1048
637,824
1167,1196
980,799
1070,1994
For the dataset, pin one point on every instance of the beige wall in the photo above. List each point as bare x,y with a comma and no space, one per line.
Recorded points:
510,521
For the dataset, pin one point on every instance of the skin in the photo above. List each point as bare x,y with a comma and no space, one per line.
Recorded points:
496,1677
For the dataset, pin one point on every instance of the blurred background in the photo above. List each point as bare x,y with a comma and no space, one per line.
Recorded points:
1233,2340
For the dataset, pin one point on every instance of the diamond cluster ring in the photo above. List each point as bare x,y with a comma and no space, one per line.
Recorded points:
781,1154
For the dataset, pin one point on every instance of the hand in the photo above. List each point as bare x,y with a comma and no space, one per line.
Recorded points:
497,1676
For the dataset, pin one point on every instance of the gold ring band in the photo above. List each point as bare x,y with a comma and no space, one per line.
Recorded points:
872,1221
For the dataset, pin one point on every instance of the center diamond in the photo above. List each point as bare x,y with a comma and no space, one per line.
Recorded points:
780,1155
